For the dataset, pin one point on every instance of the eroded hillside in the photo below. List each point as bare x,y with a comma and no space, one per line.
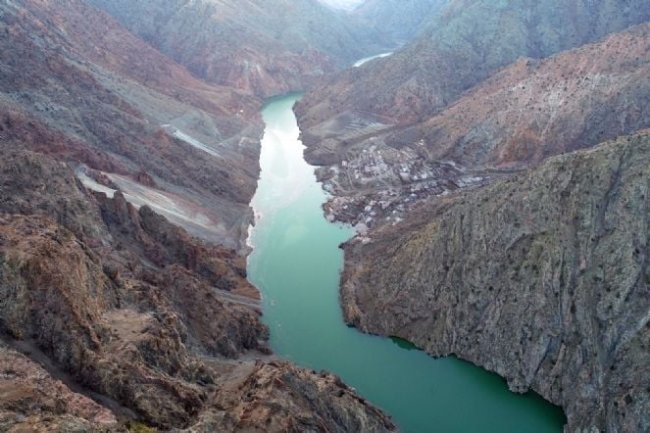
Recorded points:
262,47
521,115
125,185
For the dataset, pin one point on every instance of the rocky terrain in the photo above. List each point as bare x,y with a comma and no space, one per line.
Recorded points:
263,47
140,316
467,42
399,20
117,107
32,400
522,114
541,277
124,191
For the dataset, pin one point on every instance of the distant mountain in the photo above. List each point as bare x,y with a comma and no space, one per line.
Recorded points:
263,47
399,20
466,44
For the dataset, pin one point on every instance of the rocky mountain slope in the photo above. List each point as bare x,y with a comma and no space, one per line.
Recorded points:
264,47
541,277
116,313
129,118
143,318
45,404
526,112
470,41
399,20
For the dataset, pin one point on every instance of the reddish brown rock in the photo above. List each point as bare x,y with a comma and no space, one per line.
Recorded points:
137,312
521,115
33,401
92,93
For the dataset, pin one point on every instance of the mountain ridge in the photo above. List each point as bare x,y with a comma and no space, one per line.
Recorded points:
263,48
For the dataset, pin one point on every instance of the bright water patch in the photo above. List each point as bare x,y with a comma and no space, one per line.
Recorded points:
296,264
367,59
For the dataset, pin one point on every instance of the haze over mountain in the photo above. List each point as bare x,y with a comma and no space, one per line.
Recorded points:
399,20
263,47
346,5
379,121
465,45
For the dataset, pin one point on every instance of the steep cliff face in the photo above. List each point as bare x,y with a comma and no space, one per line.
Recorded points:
263,47
521,115
130,117
465,45
542,278
132,310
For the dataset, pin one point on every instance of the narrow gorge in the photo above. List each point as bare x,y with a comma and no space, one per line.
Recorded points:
296,264
324,216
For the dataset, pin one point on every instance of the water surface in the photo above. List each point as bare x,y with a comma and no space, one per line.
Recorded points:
367,59
296,264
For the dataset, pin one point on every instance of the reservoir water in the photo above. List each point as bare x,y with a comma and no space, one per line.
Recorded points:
367,59
296,263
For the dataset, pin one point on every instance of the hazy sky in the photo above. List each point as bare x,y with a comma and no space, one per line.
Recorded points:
343,4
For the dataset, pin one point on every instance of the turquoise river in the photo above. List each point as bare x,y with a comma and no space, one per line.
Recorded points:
296,264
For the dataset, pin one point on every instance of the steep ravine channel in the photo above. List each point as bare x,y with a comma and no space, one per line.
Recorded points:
296,264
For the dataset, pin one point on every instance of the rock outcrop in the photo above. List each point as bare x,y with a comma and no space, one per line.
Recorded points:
124,191
132,310
541,277
32,400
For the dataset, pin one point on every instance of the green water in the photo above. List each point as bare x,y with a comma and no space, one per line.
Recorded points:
296,264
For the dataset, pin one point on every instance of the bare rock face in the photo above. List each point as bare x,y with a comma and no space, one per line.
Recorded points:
521,115
100,136
142,317
541,277
280,398
32,400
